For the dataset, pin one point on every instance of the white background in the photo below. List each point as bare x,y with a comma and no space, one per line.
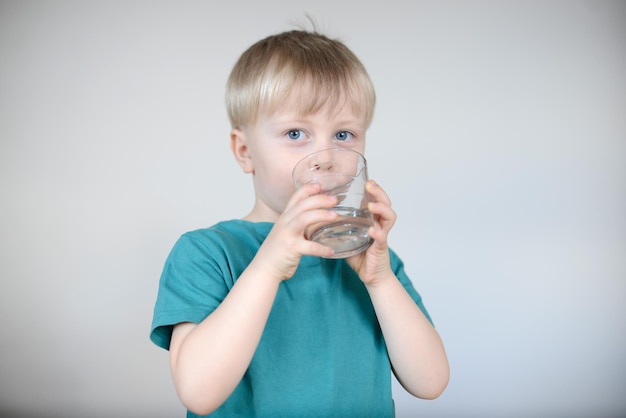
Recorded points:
500,135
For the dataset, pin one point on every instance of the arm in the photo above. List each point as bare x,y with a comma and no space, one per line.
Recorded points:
208,360
415,349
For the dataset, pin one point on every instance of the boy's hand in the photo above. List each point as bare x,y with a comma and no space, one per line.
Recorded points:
373,265
281,251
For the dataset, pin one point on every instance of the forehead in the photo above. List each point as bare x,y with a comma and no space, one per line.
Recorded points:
305,99
299,108
344,117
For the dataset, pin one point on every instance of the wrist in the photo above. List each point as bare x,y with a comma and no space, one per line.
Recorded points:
380,280
264,272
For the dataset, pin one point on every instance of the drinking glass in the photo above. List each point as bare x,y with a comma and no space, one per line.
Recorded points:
343,173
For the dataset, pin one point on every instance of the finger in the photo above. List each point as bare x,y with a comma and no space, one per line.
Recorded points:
317,250
379,232
306,191
384,219
382,211
377,193
317,217
315,209
380,204
311,203
379,235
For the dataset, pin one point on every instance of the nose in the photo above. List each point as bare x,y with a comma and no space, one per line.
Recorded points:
323,142
322,166
323,161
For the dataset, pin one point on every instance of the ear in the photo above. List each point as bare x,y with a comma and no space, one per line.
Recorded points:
239,147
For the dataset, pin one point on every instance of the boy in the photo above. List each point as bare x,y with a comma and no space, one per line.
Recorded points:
257,321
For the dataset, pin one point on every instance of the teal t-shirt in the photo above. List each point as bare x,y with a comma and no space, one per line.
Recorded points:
322,353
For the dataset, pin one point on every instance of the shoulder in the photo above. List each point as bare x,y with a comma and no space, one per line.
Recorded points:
223,242
225,233
231,229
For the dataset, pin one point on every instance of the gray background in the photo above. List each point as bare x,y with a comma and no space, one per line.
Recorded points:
500,135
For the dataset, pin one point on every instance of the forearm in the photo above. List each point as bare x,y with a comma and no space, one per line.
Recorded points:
211,359
415,348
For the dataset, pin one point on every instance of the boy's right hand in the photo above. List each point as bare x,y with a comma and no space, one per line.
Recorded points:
281,251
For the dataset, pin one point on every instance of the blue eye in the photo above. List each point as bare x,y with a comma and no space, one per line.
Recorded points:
343,136
295,134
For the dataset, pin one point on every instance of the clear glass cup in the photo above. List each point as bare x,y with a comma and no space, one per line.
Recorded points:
343,173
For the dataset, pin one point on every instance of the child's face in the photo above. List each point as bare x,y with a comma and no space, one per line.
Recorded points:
270,148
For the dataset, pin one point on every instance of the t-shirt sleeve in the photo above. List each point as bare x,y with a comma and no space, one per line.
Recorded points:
398,268
193,283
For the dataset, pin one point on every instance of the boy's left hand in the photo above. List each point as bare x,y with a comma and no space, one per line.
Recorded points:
373,265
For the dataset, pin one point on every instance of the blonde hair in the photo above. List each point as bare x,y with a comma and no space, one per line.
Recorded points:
298,68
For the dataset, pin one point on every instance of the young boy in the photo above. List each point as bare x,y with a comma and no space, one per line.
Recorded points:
258,322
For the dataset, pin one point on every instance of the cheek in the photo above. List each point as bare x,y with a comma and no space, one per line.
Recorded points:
279,183
285,182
